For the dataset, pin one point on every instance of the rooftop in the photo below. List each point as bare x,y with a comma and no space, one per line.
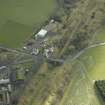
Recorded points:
42,33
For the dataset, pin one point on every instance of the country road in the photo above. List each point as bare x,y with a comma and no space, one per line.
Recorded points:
13,50
58,60
85,49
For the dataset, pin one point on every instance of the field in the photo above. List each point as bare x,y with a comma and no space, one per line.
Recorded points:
97,71
72,83
89,67
18,18
80,90
94,60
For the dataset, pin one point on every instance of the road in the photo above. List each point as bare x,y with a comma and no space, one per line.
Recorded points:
13,50
84,50
35,58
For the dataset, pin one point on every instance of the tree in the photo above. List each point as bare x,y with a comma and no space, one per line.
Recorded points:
101,87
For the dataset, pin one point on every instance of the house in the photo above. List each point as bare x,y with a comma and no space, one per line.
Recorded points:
5,91
3,67
4,81
35,51
25,48
42,33
4,72
48,52
5,97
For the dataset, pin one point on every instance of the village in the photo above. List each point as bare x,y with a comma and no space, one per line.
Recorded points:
41,42
39,46
62,60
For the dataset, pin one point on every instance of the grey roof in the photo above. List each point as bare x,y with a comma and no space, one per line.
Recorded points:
4,81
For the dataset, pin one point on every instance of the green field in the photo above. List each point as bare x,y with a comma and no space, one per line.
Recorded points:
94,60
97,70
81,89
89,67
18,18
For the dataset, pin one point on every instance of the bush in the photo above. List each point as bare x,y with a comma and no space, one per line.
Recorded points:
101,87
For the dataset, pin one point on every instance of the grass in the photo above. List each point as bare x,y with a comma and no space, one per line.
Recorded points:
44,86
12,34
37,88
19,17
101,35
80,90
96,67
90,66
98,70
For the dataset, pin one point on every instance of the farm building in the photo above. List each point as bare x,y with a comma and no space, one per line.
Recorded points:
42,33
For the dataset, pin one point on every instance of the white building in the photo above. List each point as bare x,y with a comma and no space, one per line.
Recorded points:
4,81
35,51
3,67
48,52
42,33
25,48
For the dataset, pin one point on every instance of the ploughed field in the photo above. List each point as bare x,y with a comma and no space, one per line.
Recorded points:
18,19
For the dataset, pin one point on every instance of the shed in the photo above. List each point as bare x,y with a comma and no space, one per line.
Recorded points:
4,81
41,33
